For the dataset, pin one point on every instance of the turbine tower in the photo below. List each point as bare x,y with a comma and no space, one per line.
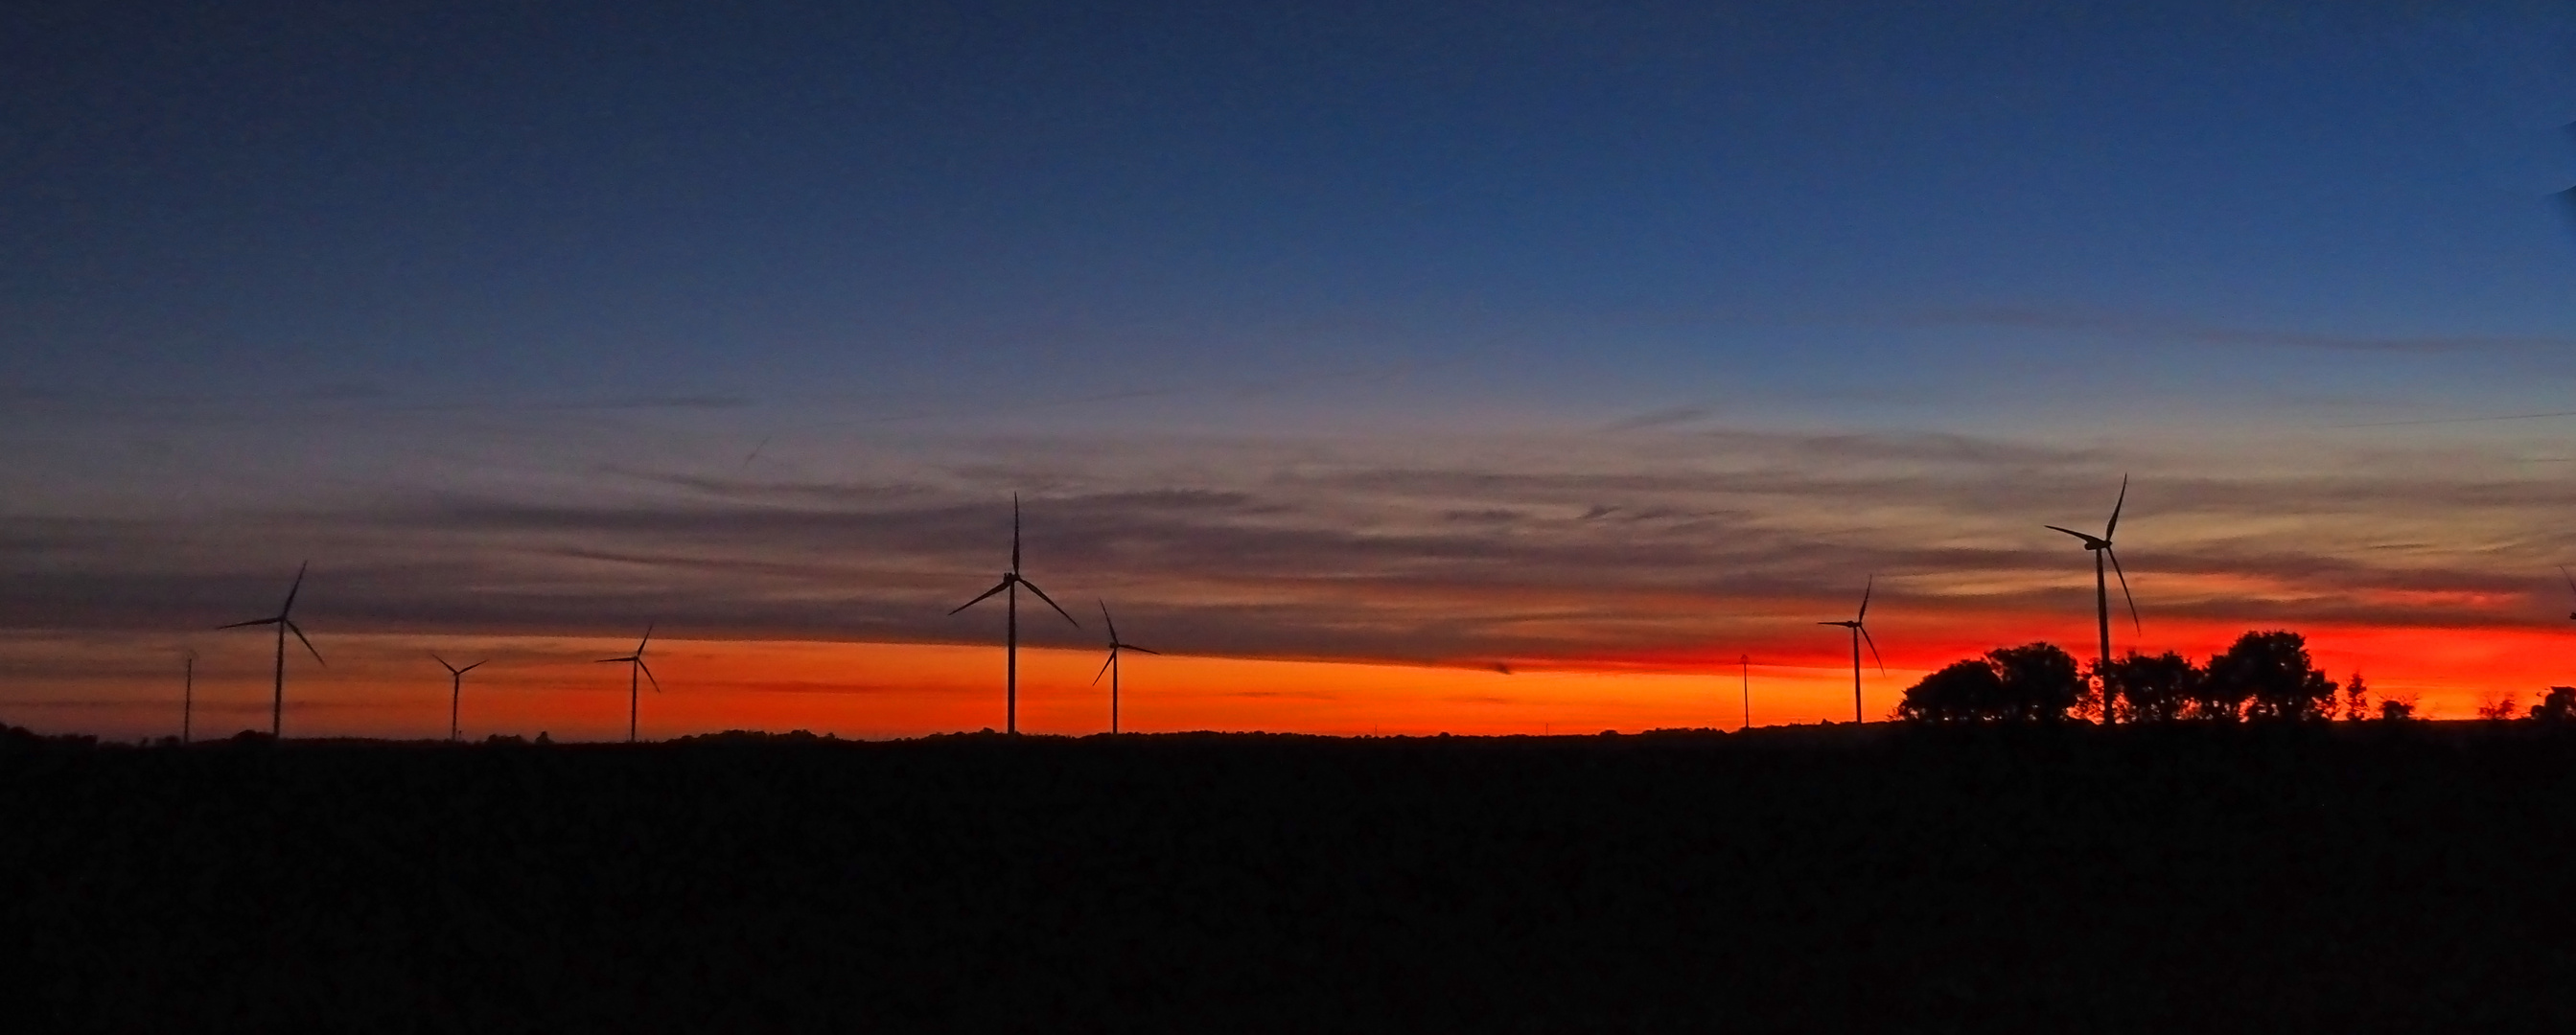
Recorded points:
2101,549
285,622
188,698
635,663
1011,583
1859,632
1110,667
456,689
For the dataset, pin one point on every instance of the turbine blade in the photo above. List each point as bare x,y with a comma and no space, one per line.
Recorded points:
1033,588
2571,579
2114,527
2070,531
648,638
442,663
604,661
1873,648
255,621
997,587
308,644
1112,623
648,675
2124,591
1864,598
470,668
1139,650
1015,531
1112,659
292,590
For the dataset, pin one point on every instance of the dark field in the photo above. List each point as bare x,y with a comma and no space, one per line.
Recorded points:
2364,877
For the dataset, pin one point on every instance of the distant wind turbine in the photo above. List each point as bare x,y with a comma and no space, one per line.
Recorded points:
285,623
456,688
2571,585
635,663
2101,548
188,699
1110,666
1859,632
1011,583
1746,662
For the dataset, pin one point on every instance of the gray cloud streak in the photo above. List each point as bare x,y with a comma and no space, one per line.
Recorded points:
1525,548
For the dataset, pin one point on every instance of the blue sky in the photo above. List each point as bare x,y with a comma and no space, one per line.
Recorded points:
421,290
1582,205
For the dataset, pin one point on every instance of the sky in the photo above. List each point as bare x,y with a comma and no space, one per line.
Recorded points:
1394,367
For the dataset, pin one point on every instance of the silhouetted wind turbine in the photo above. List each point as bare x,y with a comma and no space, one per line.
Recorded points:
285,623
188,699
1747,663
2571,585
1011,583
636,663
1859,632
1111,666
456,688
2101,547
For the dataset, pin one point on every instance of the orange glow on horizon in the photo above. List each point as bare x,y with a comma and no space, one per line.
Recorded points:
386,685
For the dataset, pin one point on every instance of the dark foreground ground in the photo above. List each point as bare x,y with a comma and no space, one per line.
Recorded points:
2180,880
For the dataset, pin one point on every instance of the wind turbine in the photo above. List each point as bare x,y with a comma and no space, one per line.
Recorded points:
1746,662
1859,632
456,689
1011,583
1111,666
2101,548
636,664
285,623
188,698
2571,584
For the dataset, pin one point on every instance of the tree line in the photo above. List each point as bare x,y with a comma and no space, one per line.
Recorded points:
2264,676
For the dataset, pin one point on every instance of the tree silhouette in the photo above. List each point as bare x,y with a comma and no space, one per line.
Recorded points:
2035,682
2041,681
2558,705
2356,699
2155,689
2271,675
2396,711
1964,691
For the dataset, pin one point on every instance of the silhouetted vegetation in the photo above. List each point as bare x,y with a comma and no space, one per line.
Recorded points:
2035,682
1951,877
2264,676
2558,705
2162,688
2271,674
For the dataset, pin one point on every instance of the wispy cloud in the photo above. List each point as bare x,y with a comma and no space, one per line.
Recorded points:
1450,552
2132,326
